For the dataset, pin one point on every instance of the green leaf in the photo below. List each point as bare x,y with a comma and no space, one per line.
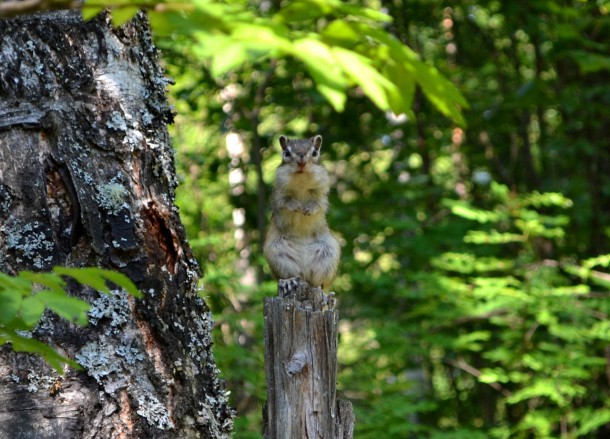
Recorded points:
370,80
538,199
442,93
592,419
163,24
121,280
228,57
465,210
493,375
52,281
319,58
472,341
302,10
361,12
262,38
603,260
87,276
97,278
89,12
599,278
329,78
16,284
402,101
24,344
122,15
492,237
31,310
11,302
69,308
335,97
590,62
542,387
342,33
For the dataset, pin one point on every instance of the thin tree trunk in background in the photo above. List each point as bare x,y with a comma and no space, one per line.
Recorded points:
87,179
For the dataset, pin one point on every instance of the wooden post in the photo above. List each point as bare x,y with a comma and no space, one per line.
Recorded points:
301,368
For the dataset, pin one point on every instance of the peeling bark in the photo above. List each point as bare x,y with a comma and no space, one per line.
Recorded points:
87,179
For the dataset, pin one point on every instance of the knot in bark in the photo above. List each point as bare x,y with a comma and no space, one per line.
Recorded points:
296,364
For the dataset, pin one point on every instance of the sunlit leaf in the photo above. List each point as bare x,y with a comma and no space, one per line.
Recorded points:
589,62
98,278
444,95
368,13
228,57
10,302
122,281
260,37
31,310
329,78
341,32
603,260
90,12
24,344
17,284
370,80
491,237
472,341
599,278
86,276
122,15
49,280
467,211
301,10
401,101
69,308
592,419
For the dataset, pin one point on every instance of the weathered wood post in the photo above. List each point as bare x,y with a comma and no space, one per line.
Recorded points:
301,368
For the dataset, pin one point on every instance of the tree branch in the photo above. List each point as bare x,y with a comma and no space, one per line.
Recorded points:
461,364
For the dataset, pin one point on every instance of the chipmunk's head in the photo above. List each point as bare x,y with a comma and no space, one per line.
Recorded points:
300,152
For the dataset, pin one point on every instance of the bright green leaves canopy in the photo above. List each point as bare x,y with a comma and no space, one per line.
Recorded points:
340,45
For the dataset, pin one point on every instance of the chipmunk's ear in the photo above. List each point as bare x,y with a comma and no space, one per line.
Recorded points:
283,142
317,141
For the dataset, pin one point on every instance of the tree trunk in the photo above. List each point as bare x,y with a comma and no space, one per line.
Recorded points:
301,368
87,179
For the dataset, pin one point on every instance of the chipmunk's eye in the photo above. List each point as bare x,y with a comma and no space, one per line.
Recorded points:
314,153
287,153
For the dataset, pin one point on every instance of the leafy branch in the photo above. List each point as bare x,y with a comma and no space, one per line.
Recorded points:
25,297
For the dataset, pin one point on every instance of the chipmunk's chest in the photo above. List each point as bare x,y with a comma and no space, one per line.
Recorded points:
303,188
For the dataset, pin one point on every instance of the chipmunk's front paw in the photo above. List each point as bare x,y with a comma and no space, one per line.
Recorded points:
286,287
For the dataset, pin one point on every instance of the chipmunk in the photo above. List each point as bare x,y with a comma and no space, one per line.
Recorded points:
299,245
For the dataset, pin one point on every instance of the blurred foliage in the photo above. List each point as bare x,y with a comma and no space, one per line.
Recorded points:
474,287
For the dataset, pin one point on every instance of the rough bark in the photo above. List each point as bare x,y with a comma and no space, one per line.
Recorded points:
87,179
301,368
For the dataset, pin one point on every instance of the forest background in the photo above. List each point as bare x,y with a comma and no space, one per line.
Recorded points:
473,289
474,285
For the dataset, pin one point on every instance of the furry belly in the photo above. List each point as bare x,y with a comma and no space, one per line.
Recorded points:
313,260
300,225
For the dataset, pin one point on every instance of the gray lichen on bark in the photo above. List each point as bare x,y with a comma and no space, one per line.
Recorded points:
87,178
